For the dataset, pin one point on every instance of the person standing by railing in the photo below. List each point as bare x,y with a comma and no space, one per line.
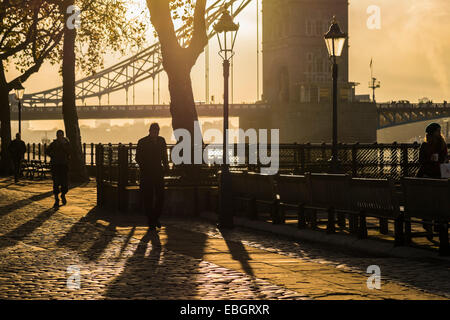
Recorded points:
59,152
151,156
17,150
433,152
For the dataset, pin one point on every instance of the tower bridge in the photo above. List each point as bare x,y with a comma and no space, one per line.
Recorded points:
388,115
137,111
296,81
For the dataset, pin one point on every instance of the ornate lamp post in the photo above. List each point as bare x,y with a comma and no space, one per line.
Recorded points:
226,34
335,40
19,91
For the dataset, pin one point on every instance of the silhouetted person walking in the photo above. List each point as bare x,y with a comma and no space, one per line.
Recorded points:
17,151
59,152
151,155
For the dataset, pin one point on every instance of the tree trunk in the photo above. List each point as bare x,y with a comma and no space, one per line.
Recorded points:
77,171
178,61
182,104
5,121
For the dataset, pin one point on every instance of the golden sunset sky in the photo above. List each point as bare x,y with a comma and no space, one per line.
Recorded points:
411,55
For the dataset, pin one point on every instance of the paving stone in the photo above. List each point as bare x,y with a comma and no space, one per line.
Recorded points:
117,259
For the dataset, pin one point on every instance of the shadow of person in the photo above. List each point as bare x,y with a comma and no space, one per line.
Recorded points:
175,276
140,278
27,228
6,209
88,237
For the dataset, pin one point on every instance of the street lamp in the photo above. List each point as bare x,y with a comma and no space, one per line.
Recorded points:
19,91
335,40
226,31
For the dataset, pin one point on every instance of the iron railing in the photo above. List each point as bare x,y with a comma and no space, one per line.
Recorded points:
358,160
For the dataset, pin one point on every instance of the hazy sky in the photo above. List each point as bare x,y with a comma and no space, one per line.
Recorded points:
411,56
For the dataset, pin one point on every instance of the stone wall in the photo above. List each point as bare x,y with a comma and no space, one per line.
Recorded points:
304,122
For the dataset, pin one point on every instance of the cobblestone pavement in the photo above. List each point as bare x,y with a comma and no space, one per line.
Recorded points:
188,259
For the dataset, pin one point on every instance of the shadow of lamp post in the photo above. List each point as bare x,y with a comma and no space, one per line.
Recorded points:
226,34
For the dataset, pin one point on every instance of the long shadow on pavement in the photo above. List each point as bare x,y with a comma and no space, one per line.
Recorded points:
4,210
170,276
239,253
88,237
392,268
21,232
138,278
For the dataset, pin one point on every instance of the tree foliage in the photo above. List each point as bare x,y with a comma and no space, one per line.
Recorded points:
30,31
29,27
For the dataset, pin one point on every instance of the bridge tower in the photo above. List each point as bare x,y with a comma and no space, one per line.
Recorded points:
296,67
297,80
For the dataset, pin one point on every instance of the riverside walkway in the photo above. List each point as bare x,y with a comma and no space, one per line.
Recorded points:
117,257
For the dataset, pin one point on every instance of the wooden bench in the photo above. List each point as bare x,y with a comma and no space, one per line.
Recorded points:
35,169
27,169
375,198
428,199
255,190
240,192
330,192
293,192
41,169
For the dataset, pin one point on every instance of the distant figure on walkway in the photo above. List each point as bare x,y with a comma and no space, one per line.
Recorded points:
151,155
433,152
17,151
59,152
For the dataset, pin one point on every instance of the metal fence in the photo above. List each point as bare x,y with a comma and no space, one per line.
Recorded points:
358,160
38,151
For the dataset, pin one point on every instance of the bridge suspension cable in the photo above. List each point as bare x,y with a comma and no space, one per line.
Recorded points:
142,66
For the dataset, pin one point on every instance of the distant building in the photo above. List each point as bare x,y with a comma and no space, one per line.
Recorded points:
363,98
297,78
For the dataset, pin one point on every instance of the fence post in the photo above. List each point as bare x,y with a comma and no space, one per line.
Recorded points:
99,161
130,151
302,158
246,156
258,163
34,151
92,154
394,161
381,166
84,152
45,153
110,156
355,159
404,161
28,152
39,151
324,167
122,178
